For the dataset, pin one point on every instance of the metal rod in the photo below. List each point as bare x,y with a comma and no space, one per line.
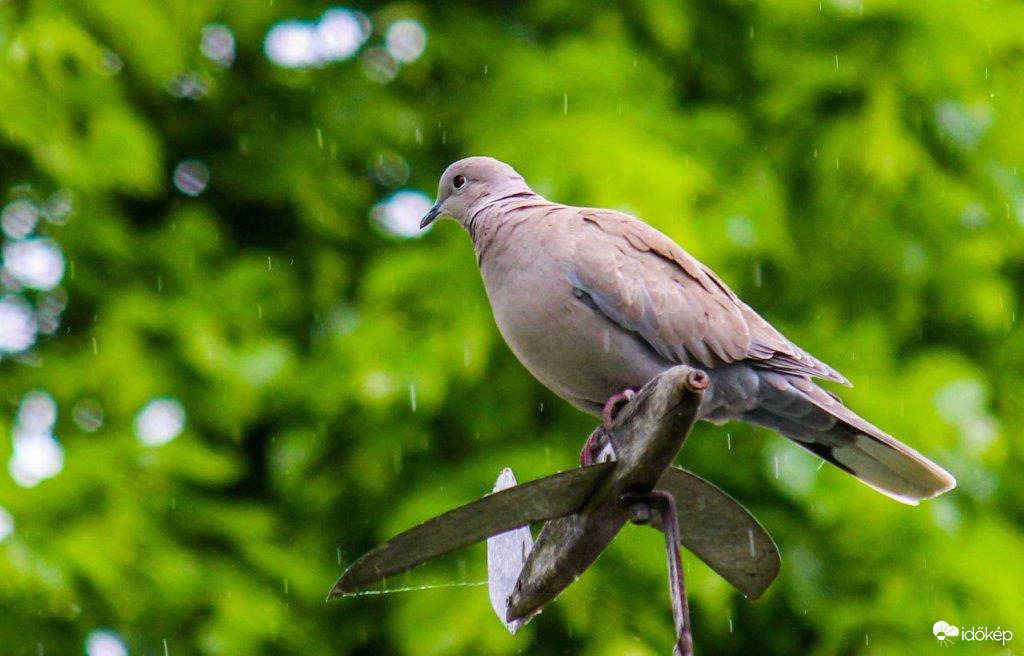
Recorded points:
665,505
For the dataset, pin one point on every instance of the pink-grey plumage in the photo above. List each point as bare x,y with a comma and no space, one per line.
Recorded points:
594,301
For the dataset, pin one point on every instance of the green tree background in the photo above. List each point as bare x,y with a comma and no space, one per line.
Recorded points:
257,374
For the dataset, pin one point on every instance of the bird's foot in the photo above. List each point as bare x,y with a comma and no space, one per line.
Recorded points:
614,405
598,442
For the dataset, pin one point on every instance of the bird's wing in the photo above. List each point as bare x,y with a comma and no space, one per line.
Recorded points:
647,284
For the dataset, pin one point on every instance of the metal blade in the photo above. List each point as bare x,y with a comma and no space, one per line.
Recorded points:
722,533
540,500
647,434
506,554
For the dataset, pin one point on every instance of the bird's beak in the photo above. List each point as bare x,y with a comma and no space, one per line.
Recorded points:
429,217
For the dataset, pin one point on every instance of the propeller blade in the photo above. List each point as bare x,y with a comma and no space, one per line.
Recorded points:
506,554
540,500
722,533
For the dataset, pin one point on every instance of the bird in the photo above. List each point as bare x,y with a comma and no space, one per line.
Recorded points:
595,303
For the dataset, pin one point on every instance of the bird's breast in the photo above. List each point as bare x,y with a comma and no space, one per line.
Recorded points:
570,348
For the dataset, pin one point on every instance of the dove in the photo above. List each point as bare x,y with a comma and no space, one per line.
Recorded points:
595,303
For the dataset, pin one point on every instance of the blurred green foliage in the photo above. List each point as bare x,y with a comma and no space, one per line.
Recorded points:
849,167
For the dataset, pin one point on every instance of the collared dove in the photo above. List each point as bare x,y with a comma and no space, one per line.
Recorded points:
595,303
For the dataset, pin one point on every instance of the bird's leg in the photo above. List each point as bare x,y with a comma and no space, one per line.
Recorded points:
598,441
640,508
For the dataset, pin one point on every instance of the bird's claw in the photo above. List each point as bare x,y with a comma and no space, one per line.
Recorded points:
593,447
598,443
614,405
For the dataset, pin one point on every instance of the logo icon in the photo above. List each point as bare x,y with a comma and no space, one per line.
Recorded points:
945,632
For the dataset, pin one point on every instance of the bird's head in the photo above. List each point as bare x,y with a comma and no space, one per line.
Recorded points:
470,183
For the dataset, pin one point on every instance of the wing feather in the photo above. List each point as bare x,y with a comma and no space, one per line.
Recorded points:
646,283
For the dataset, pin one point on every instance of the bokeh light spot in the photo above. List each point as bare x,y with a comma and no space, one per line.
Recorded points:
37,412
37,455
160,421
19,218
389,169
103,642
88,415
218,44
112,64
292,44
187,85
37,263
741,231
6,524
340,33
49,307
17,324
379,65
57,208
406,40
400,213
191,177
337,36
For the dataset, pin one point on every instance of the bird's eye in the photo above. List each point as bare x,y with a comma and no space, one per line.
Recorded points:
459,182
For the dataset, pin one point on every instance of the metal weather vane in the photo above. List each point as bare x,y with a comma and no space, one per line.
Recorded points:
585,508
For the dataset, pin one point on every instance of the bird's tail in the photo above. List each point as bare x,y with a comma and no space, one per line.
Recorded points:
818,421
